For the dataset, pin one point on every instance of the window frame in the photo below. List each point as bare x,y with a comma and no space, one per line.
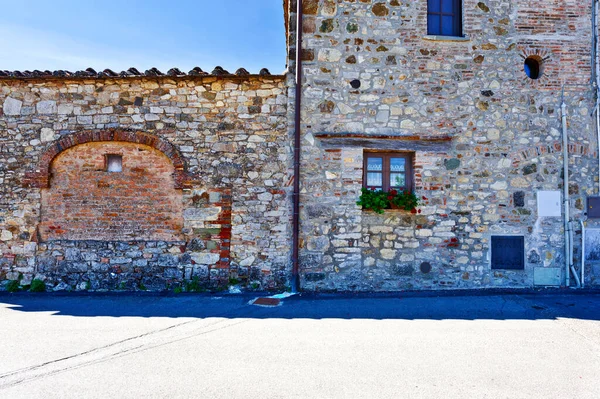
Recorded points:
456,14
386,169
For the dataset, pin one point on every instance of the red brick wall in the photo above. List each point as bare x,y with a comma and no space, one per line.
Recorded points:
84,202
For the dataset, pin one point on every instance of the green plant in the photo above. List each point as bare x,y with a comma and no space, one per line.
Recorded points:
142,287
234,281
13,286
193,285
88,285
378,200
255,285
177,290
37,286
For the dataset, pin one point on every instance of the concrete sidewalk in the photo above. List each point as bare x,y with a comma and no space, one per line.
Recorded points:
315,346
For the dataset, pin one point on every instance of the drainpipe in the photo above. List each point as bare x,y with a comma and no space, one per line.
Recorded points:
296,196
566,191
596,61
595,83
582,253
572,245
567,201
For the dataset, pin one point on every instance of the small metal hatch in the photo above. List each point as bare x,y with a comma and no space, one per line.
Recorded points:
593,207
508,252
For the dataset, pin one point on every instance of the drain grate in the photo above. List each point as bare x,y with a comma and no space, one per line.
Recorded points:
267,302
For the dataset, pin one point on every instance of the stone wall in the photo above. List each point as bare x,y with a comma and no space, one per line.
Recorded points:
214,208
485,137
203,195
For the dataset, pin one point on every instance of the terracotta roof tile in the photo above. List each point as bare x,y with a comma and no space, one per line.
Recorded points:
153,72
175,72
218,71
197,71
131,72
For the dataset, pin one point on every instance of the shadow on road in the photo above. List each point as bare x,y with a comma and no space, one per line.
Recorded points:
468,307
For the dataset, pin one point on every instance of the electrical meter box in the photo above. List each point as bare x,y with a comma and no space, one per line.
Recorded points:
593,207
548,203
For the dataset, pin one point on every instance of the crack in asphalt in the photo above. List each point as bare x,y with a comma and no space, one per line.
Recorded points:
25,369
147,341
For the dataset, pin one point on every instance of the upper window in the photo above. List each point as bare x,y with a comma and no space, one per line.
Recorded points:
386,171
533,67
444,17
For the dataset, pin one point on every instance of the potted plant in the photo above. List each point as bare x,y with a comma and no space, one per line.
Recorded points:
378,200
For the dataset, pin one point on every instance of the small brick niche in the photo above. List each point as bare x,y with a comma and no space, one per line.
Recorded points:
111,191
114,163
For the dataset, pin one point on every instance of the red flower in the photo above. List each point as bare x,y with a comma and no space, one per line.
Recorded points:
393,192
419,211
390,197
413,211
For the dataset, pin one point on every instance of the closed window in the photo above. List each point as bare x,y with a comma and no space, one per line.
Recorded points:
444,17
386,171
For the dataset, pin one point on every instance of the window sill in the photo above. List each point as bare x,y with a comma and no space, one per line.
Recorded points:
440,38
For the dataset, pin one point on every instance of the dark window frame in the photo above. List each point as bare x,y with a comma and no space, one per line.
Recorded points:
386,170
456,15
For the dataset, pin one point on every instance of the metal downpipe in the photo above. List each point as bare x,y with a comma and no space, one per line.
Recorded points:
567,202
596,61
296,195
566,191
582,253
572,246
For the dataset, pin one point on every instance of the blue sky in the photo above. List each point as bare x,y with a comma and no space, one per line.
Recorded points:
77,34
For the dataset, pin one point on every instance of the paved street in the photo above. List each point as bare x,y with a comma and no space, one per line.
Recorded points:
130,346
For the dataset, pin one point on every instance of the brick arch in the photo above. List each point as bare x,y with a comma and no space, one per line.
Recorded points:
40,177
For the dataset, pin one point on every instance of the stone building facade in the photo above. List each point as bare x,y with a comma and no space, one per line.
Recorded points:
484,139
184,181
200,197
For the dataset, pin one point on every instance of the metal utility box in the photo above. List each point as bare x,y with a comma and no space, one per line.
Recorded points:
508,252
593,207
548,203
547,276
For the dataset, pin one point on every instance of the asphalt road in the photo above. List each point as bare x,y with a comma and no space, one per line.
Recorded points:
127,346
